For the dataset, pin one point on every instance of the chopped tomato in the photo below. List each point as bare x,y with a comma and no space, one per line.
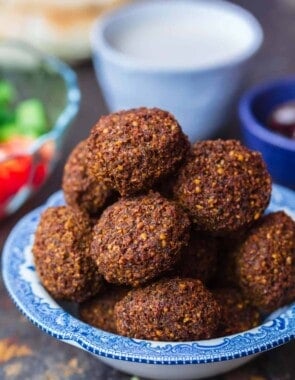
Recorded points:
18,171
14,173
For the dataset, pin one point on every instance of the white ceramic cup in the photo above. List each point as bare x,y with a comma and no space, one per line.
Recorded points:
136,66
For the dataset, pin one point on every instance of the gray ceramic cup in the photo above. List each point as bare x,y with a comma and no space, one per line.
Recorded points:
199,94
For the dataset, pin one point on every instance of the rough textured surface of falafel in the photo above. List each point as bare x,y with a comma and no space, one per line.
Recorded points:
99,311
168,310
82,190
199,258
224,186
237,314
134,149
137,239
61,254
266,262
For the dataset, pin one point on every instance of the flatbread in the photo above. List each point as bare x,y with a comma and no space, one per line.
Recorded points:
57,27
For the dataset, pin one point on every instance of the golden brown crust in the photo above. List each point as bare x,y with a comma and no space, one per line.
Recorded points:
168,310
61,254
81,190
137,239
237,314
224,186
134,149
266,262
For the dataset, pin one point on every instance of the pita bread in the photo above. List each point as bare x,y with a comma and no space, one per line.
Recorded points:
57,27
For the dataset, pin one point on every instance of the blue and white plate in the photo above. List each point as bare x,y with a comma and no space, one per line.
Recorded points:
160,360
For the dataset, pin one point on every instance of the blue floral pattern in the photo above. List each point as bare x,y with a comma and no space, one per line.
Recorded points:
38,306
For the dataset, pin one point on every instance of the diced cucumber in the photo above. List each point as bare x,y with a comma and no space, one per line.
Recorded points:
31,118
7,93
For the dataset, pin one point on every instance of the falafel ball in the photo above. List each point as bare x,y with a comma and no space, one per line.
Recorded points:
199,259
134,149
81,190
227,251
266,262
168,310
99,311
224,186
137,239
237,314
61,254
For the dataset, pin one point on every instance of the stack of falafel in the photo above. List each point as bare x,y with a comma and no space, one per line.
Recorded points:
164,240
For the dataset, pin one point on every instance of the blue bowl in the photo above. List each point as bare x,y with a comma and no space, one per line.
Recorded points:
154,360
254,108
200,95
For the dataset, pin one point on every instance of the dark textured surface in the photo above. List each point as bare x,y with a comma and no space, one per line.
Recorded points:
61,255
218,168
28,354
132,150
136,231
265,264
81,190
173,309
